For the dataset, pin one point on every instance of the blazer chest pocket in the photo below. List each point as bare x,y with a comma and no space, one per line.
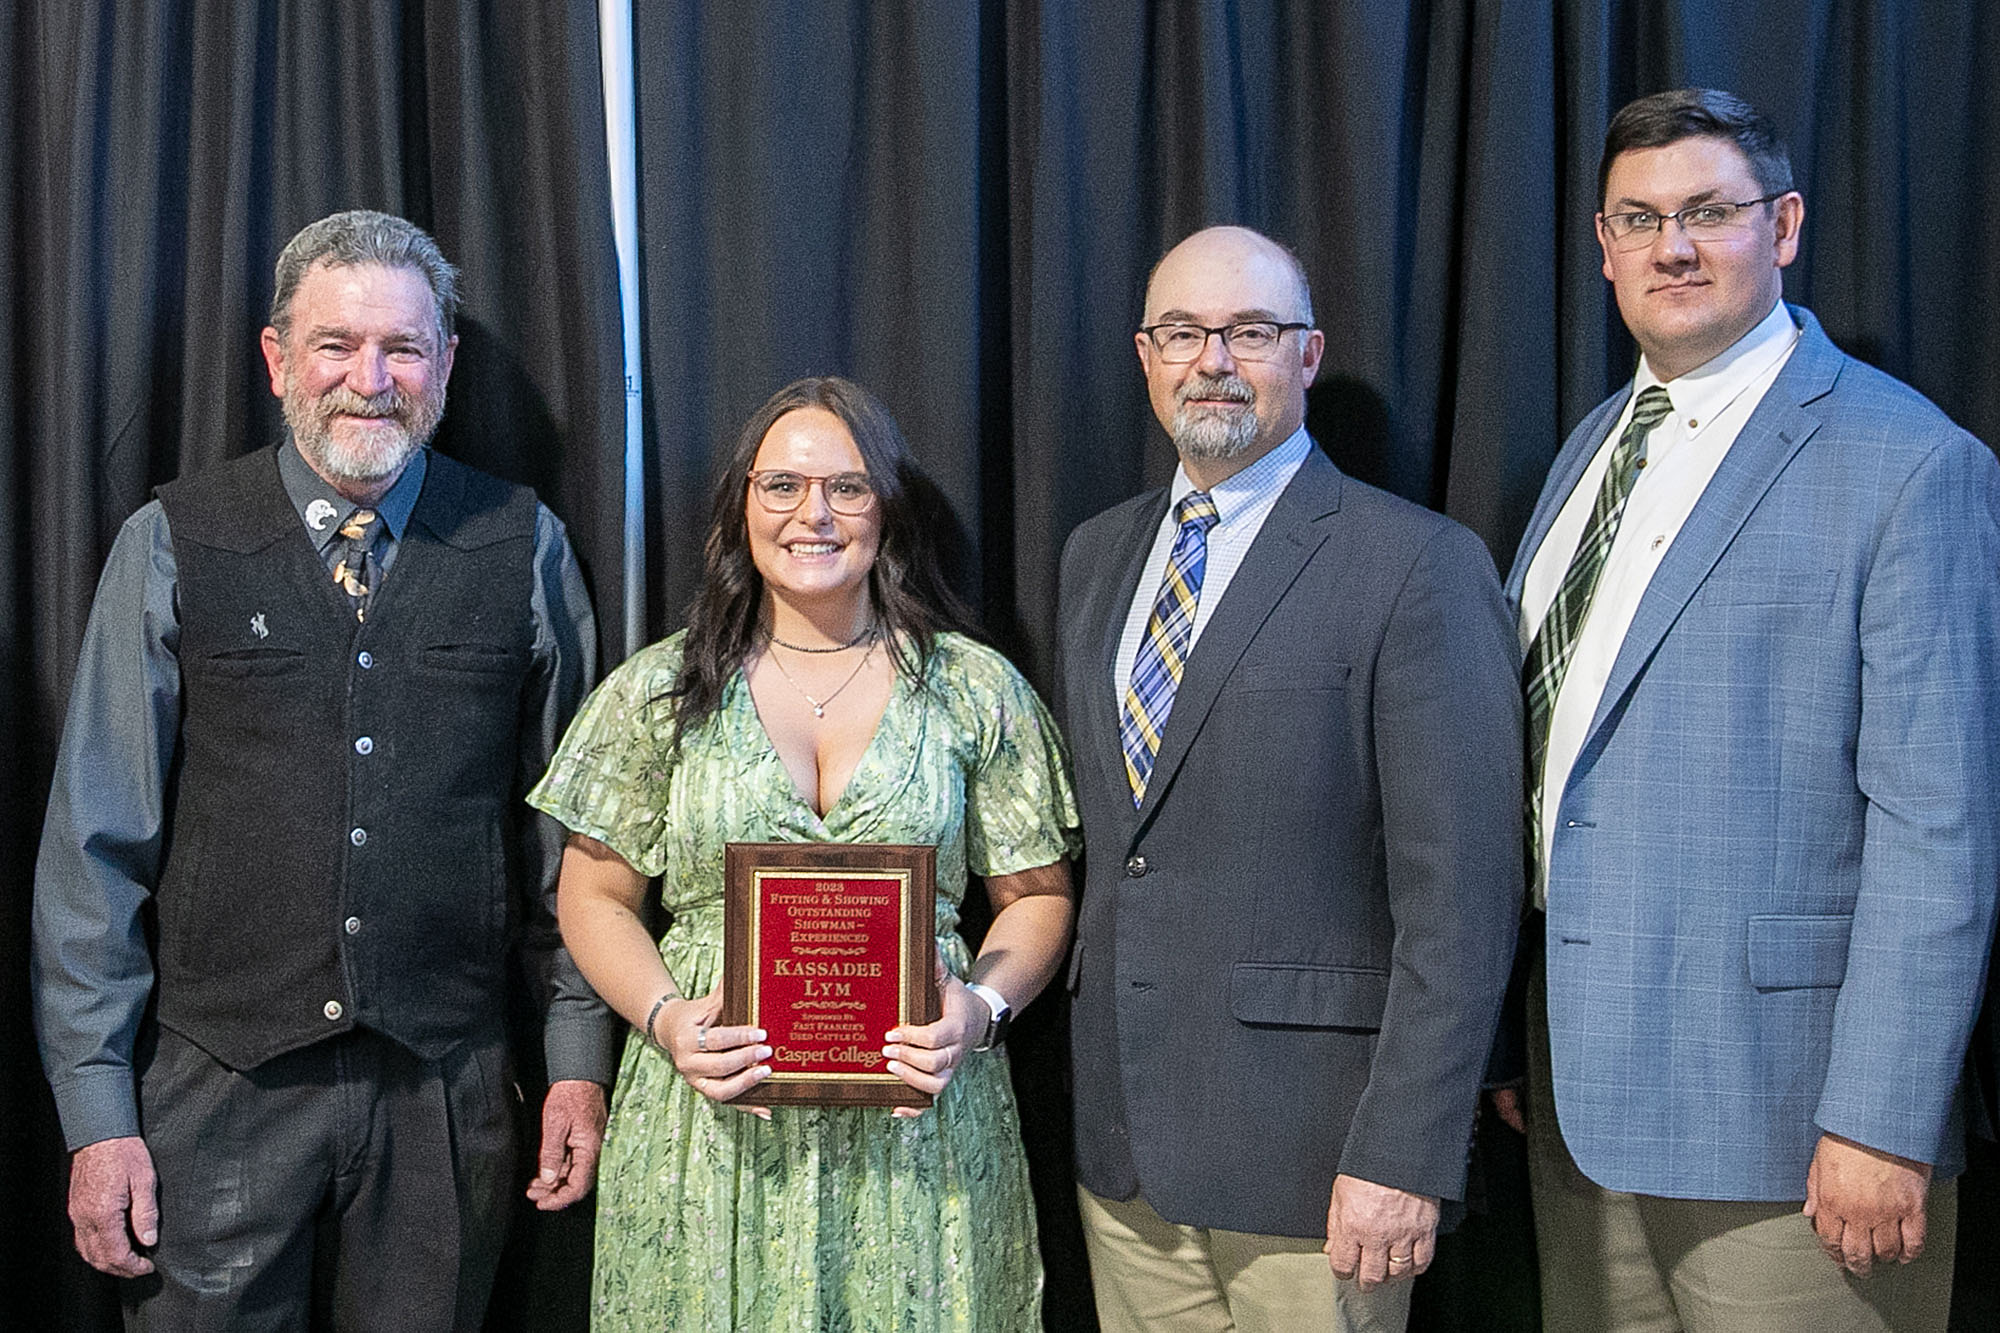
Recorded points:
1796,952
1264,675
1769,570
1306,996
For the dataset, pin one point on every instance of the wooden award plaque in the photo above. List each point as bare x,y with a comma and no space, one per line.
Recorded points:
827,946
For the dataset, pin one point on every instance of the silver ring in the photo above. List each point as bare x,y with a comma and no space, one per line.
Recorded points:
701,1039
1402,1258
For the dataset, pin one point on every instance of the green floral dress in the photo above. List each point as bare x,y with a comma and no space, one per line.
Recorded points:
820,1219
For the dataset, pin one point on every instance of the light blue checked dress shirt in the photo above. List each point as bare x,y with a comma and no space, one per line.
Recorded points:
1242,503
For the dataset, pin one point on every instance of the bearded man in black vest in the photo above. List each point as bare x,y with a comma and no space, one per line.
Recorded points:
286,866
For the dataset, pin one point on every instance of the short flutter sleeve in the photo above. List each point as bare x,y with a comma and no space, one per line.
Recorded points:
609,778
1020,809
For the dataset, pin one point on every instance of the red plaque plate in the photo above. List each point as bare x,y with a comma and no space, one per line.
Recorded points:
826,946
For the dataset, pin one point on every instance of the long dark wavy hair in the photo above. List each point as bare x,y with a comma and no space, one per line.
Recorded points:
913,603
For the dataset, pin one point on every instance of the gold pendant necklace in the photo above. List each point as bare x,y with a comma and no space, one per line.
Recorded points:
819,705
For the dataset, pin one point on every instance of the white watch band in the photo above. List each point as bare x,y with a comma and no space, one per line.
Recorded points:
995,1001
999,1012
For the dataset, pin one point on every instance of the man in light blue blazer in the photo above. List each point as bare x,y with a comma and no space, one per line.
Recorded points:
1759,602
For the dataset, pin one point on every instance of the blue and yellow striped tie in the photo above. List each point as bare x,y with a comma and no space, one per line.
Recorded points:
1156,671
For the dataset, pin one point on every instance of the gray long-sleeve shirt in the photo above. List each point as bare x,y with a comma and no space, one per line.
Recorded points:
102,842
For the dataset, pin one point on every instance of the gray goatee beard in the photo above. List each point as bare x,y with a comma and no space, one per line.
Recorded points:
1204,433
311,420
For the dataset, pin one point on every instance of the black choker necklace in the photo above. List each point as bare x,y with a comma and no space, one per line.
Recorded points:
868,632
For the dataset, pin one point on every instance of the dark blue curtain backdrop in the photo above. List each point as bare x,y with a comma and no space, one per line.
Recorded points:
956,204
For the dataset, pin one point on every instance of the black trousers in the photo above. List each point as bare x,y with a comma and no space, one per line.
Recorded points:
349,1185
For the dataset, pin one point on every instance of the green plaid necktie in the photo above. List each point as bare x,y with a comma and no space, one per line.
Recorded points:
1548,656
352,571
1156,671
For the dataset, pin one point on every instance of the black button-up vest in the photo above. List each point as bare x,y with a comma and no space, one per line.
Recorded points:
345,792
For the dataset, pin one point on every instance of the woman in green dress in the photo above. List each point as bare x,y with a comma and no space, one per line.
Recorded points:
821,692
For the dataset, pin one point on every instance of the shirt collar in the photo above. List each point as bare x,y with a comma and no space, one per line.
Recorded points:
315,499
1242,490
1701,395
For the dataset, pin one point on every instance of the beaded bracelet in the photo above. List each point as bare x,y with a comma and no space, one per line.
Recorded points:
658,1005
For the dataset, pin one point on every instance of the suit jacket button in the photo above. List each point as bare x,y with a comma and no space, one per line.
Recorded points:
1135,867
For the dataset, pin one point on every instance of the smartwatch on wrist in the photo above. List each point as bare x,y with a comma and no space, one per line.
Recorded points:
1001,1015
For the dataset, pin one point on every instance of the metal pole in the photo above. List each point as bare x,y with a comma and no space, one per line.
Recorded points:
614,37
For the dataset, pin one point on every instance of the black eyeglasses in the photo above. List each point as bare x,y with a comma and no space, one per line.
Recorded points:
847,493
1252,340
1634,231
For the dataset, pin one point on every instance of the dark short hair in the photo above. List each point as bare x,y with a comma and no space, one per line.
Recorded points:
361,236
912,599
1698,113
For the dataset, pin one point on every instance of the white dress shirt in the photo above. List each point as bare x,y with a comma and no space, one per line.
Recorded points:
1242,503
1710,405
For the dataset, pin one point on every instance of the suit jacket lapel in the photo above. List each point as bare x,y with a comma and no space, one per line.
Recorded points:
1291,533
1774,433
1103,621
1564,474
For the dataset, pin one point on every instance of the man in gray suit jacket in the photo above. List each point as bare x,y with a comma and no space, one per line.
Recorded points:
1762,616
1292,700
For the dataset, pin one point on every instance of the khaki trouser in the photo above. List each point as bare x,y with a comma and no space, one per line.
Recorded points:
1633,1263
1156,1276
